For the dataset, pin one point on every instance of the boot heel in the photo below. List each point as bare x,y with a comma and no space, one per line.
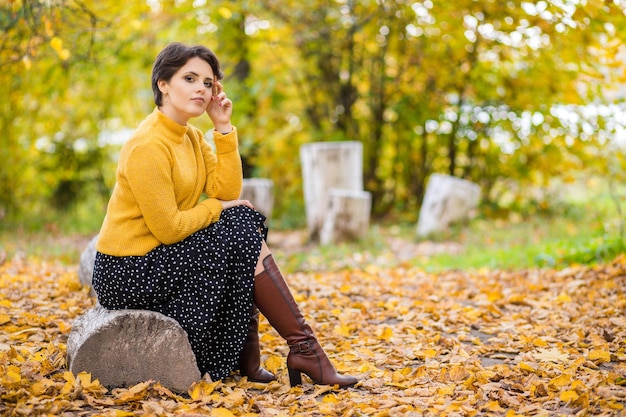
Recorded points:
295,377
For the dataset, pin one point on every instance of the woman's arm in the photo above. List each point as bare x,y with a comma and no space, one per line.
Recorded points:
224,170
148,171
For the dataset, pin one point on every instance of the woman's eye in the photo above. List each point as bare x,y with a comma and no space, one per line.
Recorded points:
189,78
208,85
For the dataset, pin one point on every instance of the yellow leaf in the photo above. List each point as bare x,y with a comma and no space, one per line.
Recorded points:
88,384
140,387
13,375
429,353
540,342
564,298
6,303
332,399
41,386
134,393
57,44
599,355
551,355
202,389
69,377
221,412
493,406
85,379
136,24
70,382
20,356
325,410
368,367
518,299
397,385
494,296
447,390
458,373
225,12
68,281
40,356
398,376
235,399
526,367
568,396
4,318
63,327
273,363
342,330
366,352
560,381
268,338
385,334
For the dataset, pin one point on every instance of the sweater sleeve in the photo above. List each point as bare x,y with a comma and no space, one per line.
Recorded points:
224,170
149,176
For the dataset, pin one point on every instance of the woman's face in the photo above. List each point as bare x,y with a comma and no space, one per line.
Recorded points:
188,92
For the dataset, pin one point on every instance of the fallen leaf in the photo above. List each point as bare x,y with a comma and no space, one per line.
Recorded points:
463,343
599,356
550,355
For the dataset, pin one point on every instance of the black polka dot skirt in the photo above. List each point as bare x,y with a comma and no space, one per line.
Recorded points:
204,282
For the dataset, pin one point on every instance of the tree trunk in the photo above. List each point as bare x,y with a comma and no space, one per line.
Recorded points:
124,347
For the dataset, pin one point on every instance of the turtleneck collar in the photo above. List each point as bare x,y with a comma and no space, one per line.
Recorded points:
176,131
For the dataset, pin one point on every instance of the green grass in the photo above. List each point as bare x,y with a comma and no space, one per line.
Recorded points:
581,228
52,235
554,241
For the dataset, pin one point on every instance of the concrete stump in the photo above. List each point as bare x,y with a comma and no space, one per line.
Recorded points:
347,215
124,347
87,260
447,200
260,192
327,165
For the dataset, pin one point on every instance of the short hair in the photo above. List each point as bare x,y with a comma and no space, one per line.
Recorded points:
172,58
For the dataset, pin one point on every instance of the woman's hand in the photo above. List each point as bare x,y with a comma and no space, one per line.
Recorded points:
220,109
232,203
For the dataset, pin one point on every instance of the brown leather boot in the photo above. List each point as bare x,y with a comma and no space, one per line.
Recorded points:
273,297
250,356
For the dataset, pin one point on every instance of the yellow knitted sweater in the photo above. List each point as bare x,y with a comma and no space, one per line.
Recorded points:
163,170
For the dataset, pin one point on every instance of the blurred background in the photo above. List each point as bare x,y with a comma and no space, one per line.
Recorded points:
524,98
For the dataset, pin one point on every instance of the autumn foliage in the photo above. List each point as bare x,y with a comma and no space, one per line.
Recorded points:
532,342
510,95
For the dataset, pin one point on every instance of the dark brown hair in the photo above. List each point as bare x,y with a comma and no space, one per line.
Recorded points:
172,58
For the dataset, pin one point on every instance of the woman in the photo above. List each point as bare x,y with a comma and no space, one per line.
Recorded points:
200,261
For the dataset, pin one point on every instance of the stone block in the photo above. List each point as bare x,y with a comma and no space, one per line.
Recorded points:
260,192
327,165
124,347
87,261
447,200
347,216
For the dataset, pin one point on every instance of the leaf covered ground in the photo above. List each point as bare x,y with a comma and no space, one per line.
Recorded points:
492,343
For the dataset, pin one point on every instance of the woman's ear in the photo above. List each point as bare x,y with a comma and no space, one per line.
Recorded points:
162,86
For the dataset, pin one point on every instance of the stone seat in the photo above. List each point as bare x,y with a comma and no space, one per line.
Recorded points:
124,347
